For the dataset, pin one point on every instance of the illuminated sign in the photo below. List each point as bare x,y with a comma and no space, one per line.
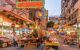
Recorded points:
28,0
39,14
28,4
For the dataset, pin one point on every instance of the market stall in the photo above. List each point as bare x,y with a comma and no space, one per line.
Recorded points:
71,35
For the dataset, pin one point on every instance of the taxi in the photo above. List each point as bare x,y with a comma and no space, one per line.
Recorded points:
52,41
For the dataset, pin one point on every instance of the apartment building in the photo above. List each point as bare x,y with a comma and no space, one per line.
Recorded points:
70,10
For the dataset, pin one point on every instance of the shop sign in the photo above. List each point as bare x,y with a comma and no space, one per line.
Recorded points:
13,25
39,14
6,23
29,4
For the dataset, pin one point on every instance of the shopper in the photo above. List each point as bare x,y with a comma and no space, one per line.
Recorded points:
41,40
15,43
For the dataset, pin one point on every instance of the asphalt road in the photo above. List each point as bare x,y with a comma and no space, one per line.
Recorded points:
61,47
12,48
67,47
31,47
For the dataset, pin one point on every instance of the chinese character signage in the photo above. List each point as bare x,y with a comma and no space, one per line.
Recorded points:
29,4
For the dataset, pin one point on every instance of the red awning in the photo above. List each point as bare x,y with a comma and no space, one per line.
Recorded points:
36,4
20,17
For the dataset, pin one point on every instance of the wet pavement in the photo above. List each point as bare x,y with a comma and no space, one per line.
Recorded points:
67,47
32,47
61,47
12,48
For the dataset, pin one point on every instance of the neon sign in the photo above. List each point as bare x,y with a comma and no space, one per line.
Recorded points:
29,4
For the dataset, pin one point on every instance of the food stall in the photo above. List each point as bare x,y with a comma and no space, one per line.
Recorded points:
71,36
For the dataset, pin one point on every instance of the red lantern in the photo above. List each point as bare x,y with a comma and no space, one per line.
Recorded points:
13,25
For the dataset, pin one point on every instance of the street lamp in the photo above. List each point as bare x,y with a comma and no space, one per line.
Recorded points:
78,32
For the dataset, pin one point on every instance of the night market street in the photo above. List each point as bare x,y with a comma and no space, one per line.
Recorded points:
39,24
61,47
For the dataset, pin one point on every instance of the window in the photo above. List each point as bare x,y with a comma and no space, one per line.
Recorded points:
68,1
65,0
73,2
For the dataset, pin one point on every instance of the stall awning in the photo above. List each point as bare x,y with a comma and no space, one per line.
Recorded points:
20,17
16,15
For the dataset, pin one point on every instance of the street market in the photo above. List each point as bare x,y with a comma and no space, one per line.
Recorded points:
39,25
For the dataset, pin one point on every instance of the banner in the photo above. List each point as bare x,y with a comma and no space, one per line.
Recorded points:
28,4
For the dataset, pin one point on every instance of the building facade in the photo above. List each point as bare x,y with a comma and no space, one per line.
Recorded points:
54,19
69,11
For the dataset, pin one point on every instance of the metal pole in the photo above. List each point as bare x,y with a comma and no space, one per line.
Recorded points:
78,31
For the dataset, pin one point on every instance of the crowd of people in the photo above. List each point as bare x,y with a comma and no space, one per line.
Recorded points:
40,37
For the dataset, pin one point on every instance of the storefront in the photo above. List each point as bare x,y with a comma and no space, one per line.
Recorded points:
78,31
5,25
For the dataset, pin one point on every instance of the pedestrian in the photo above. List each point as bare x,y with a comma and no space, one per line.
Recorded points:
41,47
15,43
41,40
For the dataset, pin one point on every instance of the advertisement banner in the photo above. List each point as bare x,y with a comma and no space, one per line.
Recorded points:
28,4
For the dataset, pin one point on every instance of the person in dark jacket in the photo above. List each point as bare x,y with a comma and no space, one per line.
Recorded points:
15,43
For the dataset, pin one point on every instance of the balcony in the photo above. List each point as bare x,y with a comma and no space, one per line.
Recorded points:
73,21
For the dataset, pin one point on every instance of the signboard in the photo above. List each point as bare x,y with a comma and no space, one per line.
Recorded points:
29,4
28,0
38,14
